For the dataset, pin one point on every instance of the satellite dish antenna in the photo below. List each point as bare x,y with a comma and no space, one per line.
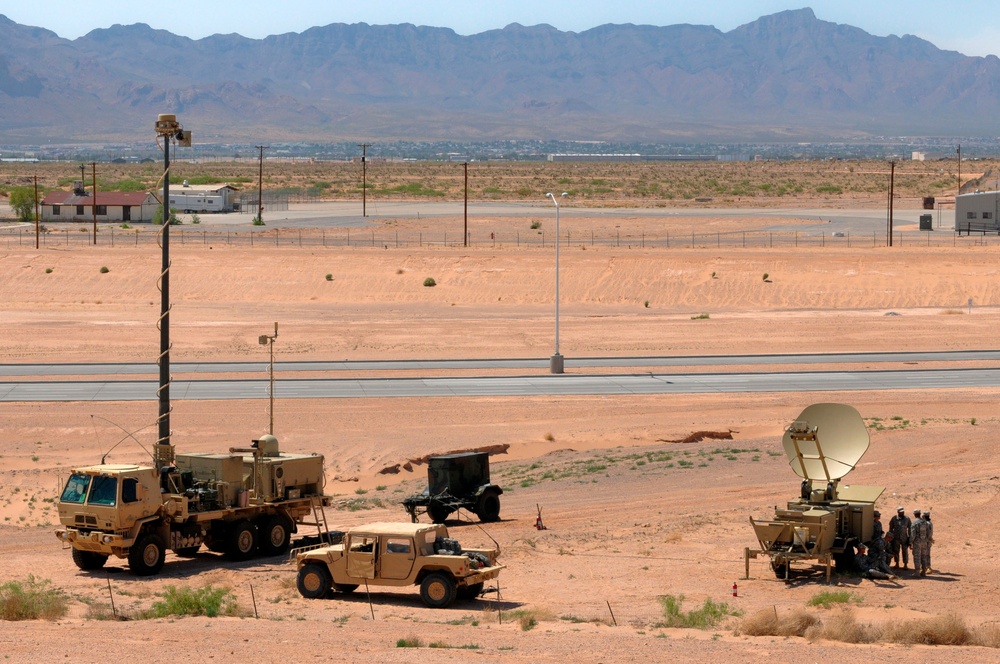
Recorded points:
826,441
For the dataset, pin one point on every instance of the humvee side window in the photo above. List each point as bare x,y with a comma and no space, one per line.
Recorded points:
129,490
396,545
104,491
363,544
76,489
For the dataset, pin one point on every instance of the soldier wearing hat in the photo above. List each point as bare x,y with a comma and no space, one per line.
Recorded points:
930,540
920,542
878,530
899,526
868,567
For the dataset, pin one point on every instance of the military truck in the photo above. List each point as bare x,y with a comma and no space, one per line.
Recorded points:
457,481
243,503
829,519
398,554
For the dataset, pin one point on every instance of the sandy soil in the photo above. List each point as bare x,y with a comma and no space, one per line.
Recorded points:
626,524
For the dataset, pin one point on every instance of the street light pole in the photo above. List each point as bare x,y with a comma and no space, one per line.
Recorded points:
260,185
556,361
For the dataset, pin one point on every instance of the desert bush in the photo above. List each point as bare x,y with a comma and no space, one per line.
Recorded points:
947,630
429,282
409,642
987,635
528,619
33,599
105,269
843,626
207,601
535,225
329,277
828,598
709,615
767,623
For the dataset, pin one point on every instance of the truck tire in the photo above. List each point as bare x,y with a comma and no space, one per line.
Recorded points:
437,590
488,507
146,556
313,581
469,593
346,588
275,535
438,513
241,542
88,560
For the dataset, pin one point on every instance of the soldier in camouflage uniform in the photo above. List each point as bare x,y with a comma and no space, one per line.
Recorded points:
867,566
930,540
878,554
899,526
920,537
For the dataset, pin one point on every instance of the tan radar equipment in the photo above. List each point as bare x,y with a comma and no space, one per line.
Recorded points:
828,520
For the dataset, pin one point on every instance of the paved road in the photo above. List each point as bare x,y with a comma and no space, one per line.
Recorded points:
536,385
285,368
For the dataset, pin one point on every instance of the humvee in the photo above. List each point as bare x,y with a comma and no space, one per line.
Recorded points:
398,554
456,481
829,519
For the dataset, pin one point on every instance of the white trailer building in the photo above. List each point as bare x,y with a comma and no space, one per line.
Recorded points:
977,212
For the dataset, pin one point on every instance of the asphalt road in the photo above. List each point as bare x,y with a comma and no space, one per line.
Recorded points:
541,384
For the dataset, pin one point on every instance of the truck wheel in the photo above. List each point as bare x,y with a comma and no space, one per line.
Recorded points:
242,541
275,536
313,581
345,588
88,560
438,513
469,593
488,508
438,590
146,556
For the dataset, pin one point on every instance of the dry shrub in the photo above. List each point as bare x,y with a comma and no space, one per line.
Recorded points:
947,630
987,635
843,626
767,623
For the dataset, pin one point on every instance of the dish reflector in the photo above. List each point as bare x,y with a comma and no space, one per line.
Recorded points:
826,441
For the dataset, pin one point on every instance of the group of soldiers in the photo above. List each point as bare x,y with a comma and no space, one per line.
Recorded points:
904,535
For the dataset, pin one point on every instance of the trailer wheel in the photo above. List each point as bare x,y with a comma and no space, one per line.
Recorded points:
488,508
88,560
275,535
780,569
146,556
469,593
438,590
242,541
313,581
437,512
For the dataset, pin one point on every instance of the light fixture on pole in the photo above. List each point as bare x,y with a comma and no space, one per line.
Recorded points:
268,340
556,361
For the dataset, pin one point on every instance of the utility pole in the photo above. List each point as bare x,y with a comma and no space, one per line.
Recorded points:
892,183
82,166
465,235
260,185
959,151
36,212
364,178
93,170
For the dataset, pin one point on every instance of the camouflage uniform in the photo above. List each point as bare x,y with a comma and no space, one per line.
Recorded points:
930,540
867,567
878,554
920,542
899,526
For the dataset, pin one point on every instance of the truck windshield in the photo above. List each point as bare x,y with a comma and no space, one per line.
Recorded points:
76,489
104,491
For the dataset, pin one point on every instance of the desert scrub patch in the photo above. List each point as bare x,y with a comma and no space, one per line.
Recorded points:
32,599
429,282
708,615
207,601
828,598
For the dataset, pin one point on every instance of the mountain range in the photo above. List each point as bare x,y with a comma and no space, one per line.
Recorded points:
784,77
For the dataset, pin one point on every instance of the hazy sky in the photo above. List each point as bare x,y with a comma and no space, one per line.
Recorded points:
971,27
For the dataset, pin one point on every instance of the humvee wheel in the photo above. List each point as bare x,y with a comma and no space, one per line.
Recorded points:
88,560
241,543
488,508
438,513
313,581
437,590
469,593
188,551
146,556
345,588
275,535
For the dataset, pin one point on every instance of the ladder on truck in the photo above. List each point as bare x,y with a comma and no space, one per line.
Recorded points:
317,503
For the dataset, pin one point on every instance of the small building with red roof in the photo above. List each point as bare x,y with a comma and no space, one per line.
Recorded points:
111,206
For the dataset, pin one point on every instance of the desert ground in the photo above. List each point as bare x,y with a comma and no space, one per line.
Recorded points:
630,516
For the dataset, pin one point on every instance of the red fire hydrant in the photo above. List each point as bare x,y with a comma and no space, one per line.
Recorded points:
734,590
